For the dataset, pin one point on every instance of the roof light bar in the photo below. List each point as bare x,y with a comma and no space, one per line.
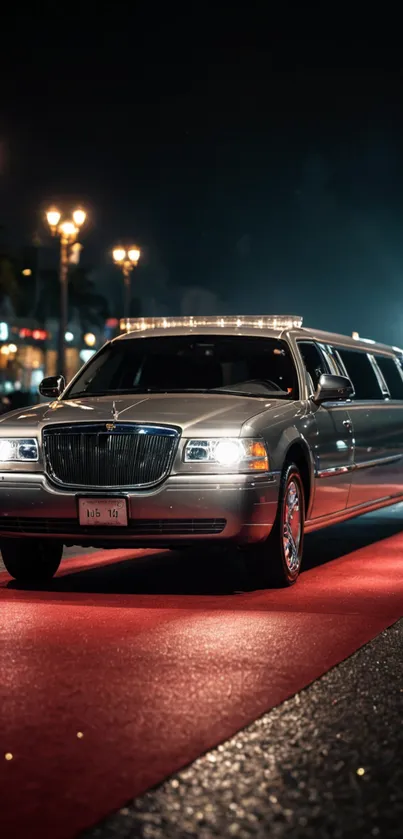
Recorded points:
256,321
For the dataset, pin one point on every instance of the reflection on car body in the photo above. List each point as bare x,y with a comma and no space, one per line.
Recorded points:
245,431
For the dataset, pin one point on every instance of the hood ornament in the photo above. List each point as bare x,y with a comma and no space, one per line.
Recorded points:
110,426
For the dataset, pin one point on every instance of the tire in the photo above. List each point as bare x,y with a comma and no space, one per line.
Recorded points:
31,561
273,563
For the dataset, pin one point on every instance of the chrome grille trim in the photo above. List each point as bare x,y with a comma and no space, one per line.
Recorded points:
109,455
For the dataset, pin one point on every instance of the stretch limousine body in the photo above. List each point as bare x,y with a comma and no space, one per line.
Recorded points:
241,431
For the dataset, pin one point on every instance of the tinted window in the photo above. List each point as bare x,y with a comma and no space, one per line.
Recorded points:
259,366
314,361
362,374
391,375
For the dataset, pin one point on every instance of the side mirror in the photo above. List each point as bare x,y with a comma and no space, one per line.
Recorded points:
52,386
333,389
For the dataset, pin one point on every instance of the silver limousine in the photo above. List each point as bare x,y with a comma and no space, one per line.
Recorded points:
243,431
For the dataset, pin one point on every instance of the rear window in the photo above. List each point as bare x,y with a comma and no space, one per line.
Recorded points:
362,374
391,375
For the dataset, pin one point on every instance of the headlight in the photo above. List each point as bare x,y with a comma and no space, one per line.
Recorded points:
13,448
246,455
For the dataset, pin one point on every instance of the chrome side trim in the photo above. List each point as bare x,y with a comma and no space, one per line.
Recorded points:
381,461
367,464
351,513
335,470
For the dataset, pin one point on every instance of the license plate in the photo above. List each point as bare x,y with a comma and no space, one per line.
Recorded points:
103,512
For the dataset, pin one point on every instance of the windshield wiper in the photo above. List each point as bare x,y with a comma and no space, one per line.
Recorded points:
127,391
84,393
270,394
274,394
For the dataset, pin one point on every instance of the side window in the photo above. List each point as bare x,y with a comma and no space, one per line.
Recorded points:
391,375
314,361
362,374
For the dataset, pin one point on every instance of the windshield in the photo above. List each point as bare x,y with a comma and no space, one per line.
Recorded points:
203,363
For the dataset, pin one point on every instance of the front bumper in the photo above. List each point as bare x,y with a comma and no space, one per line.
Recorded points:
184,509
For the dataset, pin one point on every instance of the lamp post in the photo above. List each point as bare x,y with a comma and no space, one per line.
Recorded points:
127,260
67,231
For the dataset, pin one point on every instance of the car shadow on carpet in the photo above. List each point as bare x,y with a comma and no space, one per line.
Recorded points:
206,572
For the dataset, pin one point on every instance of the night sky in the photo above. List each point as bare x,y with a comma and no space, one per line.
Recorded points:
242,153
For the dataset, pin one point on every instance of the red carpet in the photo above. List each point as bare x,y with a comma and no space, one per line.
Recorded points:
153,680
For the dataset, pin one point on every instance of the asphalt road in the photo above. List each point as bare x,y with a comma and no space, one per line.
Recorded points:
327,762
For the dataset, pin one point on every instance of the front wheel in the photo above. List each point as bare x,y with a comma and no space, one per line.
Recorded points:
276,562
31,561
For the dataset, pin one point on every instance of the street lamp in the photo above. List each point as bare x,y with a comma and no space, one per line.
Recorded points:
127,260
67,231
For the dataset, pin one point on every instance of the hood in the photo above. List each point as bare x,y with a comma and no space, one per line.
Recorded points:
210,414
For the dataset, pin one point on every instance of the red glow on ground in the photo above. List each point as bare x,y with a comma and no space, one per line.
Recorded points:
153,680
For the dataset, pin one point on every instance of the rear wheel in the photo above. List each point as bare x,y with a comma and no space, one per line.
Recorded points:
31,561
277,561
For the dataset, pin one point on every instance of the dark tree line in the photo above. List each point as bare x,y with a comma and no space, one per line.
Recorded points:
37,295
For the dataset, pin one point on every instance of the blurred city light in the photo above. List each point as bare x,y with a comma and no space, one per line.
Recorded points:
69,336
27,272
74,255
68,228
89,339
119,254
85,355
134,255
3,331
53,217
79,217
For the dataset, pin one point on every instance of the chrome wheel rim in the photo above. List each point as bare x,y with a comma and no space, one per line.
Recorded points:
292,526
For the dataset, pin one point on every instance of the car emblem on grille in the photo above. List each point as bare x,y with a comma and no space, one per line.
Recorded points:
110,426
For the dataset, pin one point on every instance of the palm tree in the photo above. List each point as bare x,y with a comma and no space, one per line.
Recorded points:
9,285
91,307
85,304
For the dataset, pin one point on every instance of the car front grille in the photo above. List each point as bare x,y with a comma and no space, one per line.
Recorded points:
137,527
109,455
